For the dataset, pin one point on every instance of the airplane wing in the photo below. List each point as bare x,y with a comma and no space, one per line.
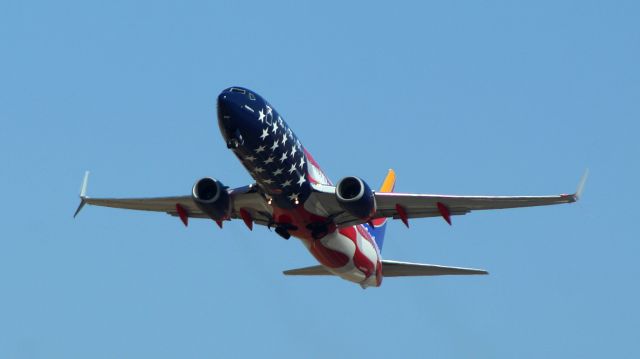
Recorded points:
246,198
406,205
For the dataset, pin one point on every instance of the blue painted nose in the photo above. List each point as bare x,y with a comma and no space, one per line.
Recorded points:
237,116
229,103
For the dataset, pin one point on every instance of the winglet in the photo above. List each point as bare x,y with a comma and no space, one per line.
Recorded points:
581,185
83,193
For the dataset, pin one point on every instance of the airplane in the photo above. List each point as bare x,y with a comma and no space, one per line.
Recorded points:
342,226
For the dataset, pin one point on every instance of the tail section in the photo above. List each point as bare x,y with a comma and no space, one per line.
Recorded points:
380,225
398,269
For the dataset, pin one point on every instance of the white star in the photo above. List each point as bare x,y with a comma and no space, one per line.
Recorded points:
265,133
280,122
250,158
293,150
301,180
277,172
260,149
258,170
269,110
269,160
284,139
262,116
275,127
284,157
294,196
290,133
268,181
275,145
292,169
286,183
301,161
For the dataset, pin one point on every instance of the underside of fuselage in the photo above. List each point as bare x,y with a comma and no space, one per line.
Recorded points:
285,174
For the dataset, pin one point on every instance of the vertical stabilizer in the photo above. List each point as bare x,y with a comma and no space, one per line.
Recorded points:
380,224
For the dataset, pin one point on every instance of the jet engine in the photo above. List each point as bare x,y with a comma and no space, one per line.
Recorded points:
356,197
212,198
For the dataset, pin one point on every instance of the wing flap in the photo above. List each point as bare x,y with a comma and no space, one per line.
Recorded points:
407,269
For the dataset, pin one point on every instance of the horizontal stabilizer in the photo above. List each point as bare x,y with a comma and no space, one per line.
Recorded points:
397,269
406,269
313,270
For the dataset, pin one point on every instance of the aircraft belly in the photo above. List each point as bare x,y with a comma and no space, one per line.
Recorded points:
349,255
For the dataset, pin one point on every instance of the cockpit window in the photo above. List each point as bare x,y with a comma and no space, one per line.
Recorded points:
251,96
235,89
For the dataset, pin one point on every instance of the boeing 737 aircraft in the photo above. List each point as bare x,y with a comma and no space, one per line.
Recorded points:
343,226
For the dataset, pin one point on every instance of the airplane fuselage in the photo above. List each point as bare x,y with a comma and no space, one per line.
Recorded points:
286,173
343,226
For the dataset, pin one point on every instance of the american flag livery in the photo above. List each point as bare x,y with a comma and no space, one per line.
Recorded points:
342,226
286,171
265,145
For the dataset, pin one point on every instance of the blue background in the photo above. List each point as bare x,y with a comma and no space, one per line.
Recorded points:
467,97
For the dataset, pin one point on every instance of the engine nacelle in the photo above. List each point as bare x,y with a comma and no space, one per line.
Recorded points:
212,198
356,197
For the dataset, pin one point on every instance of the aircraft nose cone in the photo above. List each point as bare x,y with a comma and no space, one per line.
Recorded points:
233,97
237,115
228,109
226,103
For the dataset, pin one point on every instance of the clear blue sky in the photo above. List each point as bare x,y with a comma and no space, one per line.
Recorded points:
475,97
